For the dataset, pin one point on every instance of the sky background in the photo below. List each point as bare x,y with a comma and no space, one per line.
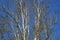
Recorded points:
54,6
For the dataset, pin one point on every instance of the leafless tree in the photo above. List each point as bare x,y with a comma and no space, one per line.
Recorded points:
19,19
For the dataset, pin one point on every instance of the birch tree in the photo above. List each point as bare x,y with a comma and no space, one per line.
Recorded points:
19,20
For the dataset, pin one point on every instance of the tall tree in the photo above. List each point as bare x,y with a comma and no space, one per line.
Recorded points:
19,19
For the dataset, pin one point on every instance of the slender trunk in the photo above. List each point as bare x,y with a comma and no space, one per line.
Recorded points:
13,30
22,21
35,38
38,22
27,23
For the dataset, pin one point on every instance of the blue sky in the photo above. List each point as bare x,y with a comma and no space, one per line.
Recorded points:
54,6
